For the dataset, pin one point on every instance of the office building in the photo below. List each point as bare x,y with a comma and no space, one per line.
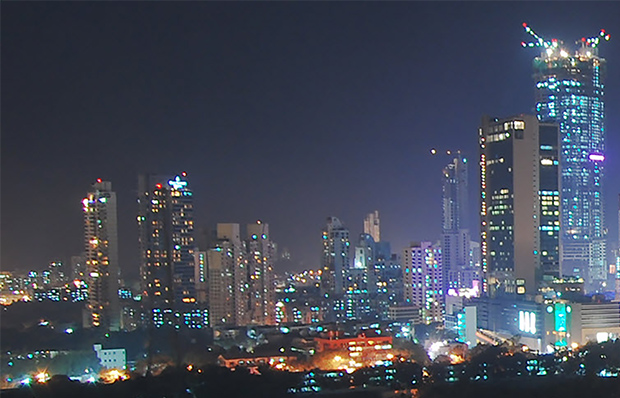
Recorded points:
101,257
569,91
519,204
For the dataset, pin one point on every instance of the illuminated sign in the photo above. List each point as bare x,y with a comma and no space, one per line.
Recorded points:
527,322
520,286
597,157
560,317
177,183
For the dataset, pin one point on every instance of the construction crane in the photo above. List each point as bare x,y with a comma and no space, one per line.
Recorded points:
552,44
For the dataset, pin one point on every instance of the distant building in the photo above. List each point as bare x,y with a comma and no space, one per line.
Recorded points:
361,281
167,270
58,274
422,279
454,227
240,276
260,255
227,275
372,225
362,343
101,255
569,91
78,267
409,314
201,276
334,264
115,358
519,204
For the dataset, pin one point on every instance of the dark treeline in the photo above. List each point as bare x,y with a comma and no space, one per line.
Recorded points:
542,387
172,383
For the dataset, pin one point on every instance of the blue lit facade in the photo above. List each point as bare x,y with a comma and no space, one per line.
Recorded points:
570,92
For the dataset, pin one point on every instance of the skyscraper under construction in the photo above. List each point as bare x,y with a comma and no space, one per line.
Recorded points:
570,92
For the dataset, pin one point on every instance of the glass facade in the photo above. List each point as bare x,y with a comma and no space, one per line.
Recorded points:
570,92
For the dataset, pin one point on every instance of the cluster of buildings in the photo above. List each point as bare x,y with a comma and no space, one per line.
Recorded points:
539,269
229,283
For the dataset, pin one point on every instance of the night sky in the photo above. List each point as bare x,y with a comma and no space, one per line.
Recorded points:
284,112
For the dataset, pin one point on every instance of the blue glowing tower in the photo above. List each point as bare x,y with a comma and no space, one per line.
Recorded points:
570,92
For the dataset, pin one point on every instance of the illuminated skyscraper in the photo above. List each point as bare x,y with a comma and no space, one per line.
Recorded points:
372,226
570,92
335,263
101,257
519,204
454,227
167,249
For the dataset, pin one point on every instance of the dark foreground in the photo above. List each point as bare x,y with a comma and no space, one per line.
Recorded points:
274,385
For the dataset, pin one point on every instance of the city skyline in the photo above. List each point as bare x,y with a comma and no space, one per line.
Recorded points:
322,112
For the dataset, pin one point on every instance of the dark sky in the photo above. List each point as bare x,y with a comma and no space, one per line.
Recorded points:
284,112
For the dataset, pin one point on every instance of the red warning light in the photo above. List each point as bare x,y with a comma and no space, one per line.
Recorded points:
158,186
184,174
99,180
603,31
524,25
583,39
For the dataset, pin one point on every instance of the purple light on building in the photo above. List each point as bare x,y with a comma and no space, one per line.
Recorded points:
597,157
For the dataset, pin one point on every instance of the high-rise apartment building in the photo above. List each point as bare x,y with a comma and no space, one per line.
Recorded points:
240,276
336,257
569,87
334,264
200,275
362,279
101,257
519,204
227,276
372,226
167,247
455,235
260,255
422,279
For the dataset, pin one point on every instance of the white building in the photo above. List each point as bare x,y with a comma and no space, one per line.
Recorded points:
115,358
